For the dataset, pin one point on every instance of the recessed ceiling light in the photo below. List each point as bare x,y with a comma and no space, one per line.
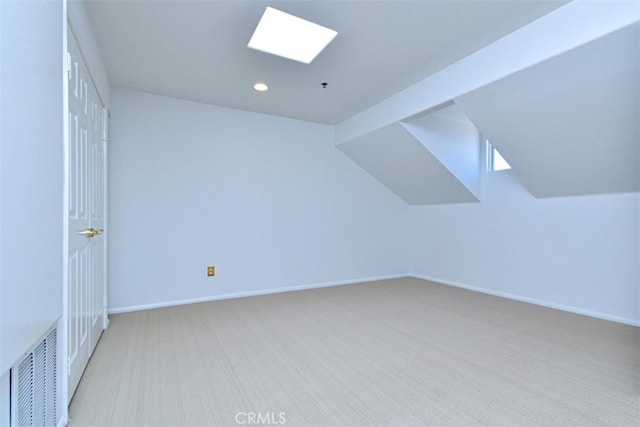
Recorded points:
281,34
261,87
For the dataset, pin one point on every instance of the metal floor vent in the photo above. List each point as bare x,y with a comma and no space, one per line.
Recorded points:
33,384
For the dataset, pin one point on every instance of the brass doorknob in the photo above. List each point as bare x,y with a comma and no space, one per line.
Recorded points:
91,232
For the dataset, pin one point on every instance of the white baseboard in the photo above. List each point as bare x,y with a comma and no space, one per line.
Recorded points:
116,310
570,309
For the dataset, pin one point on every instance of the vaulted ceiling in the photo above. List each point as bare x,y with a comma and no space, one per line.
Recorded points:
560,99
569,125
414,86
197,50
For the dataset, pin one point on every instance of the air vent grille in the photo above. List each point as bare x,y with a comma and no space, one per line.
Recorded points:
34,392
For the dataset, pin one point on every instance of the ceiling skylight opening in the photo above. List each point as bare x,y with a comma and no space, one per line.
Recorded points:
261,87
288,36
495,161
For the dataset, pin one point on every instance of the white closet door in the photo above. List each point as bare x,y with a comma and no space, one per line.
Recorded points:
86,184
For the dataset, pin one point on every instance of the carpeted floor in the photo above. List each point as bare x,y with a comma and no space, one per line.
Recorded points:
400,352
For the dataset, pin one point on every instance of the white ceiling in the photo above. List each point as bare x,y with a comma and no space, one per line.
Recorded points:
569,125
196,50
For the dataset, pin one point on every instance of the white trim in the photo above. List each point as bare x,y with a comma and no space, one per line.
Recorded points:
5,395
567,308
250,293
61,365
105,213
63,322
561,307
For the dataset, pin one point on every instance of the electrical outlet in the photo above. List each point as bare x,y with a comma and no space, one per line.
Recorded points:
211,271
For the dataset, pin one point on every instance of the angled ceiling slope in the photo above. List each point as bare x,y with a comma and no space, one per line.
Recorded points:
453,139
395,157
569,125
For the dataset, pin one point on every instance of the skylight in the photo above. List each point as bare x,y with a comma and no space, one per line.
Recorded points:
281,34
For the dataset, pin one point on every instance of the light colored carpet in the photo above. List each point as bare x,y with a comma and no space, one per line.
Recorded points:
392,353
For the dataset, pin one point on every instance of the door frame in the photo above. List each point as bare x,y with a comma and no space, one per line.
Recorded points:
105,165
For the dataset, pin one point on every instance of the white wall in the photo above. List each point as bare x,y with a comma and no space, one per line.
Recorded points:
269,201
273,204
576,253
31,173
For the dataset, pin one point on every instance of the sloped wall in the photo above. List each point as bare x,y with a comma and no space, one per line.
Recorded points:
453,139
396,156
569,125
